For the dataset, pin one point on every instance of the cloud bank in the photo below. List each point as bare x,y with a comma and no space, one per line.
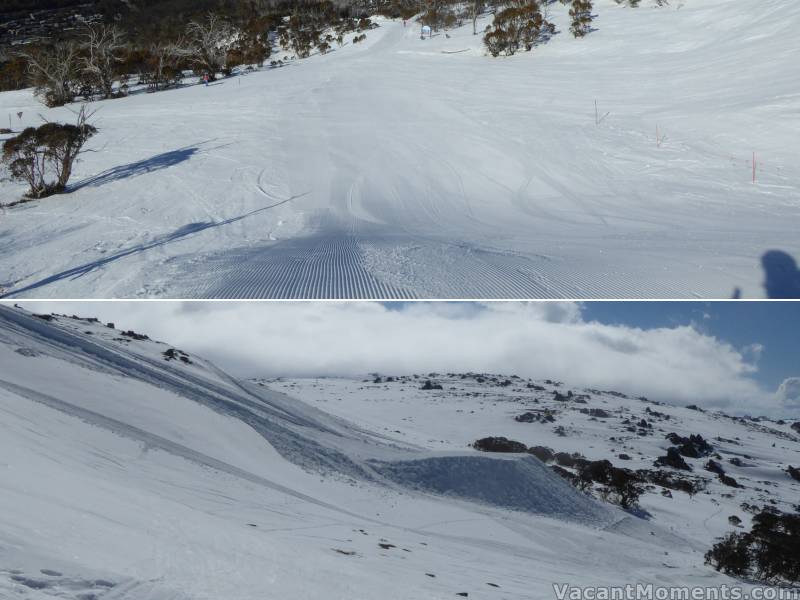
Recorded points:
678,365
789,395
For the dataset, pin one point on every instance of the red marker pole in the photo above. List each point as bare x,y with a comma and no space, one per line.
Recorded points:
754,168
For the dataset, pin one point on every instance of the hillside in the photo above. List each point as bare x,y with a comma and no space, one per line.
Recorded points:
594,424
133,470
408,168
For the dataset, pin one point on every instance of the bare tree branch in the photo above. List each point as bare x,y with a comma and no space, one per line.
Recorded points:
54,71
208,42
102,47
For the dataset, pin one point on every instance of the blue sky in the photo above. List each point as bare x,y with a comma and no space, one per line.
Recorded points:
774,325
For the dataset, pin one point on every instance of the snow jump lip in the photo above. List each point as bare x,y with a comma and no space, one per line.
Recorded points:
515,482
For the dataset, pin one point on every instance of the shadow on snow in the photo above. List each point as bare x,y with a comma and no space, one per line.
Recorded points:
142,167
178,234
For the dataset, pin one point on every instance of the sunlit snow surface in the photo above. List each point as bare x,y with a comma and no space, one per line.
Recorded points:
129,476
406,168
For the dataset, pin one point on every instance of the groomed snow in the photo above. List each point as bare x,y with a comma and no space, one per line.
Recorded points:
402,168
130,477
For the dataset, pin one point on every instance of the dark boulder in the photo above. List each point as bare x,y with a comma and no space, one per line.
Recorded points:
567,460
543,453
673,459
598,413
535,417
528,417
693,446
139,337
729,481
429,385
173,354
499,444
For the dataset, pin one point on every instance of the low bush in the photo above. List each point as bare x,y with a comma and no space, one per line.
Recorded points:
769,553
43,157
620,486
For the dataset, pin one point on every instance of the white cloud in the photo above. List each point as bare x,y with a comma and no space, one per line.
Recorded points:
789,394
543,340
753,352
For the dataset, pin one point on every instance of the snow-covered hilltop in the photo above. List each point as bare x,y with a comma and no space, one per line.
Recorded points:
134,470
563,424
398,167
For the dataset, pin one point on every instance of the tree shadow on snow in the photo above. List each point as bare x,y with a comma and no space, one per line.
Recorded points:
142,167
178,234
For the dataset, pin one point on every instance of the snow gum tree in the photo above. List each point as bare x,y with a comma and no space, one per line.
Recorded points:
161,62
301,34
520,24
102,50
43,156
208,43
581,13
54,70
13,71
317,27
476,7
769,553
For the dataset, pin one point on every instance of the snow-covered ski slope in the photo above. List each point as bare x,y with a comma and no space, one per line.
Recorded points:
130,476
598,425
405,168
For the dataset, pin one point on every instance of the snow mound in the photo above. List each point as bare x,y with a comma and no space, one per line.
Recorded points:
520,483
